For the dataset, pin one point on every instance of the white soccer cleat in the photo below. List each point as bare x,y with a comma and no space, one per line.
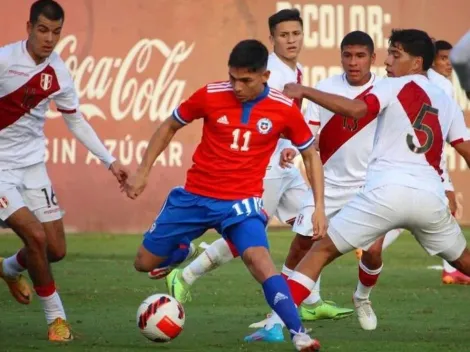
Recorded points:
365,314
261,324
304,343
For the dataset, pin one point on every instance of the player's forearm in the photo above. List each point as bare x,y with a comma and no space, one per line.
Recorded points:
460,58
336,103
82,130
158,143
314,171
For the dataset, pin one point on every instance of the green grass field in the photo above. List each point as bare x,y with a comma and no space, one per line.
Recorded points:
101,293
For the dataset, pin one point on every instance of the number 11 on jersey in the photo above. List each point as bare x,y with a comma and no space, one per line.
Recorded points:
246,140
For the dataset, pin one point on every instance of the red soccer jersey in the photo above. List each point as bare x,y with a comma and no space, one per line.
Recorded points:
238,139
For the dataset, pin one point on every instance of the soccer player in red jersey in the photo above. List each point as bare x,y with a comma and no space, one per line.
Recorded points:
243,121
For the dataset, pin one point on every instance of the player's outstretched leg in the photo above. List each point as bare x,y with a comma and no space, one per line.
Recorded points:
313,307
451,276
370,266
462,263
179,281
13,267
302,280
31,231
250,240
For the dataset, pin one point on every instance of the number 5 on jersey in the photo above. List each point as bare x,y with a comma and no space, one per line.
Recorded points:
426,118
246,140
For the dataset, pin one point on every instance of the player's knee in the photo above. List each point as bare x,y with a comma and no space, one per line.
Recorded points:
301,244
36,239
373,256
55,254
299,247
140,265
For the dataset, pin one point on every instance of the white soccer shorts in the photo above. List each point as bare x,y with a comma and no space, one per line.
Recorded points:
283,197
31,187
372,213
335,199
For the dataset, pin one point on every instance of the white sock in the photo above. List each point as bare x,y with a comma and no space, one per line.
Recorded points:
53,307
362,291
272,320
286,271
217,254
314,296
391,237
447,267
11,267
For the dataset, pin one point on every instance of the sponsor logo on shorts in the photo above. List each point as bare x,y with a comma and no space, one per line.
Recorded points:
3,202
300,219
52,211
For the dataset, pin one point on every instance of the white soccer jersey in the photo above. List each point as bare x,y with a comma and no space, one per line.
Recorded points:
281,74
442,82
345,144
445,84
414,121
26,90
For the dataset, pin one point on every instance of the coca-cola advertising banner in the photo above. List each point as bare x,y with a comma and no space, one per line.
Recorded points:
134,61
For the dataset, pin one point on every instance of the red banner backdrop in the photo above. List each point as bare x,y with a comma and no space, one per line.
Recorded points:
133,61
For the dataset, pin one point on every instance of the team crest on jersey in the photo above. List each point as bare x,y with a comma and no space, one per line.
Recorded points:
46,81
3,202
264,125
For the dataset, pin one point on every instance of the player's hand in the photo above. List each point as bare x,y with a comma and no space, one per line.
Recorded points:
452,201
135,185
294,90
119,171
287,158
320,224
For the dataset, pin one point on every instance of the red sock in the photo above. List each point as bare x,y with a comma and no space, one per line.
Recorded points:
45,291
298,291
368,278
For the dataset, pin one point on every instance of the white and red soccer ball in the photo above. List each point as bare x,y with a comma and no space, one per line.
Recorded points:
160,318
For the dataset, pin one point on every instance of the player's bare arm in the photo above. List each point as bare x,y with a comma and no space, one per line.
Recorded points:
314,171
354,108
158,143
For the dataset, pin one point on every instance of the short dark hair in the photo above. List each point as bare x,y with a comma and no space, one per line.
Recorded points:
358,38
48,8
416,43
250,54
284,16
442,45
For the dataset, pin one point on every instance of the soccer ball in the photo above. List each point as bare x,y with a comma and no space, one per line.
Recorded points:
160,318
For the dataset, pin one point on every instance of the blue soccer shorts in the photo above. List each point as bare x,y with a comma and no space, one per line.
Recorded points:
186,216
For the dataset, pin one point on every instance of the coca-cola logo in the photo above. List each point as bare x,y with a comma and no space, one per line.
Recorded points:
132,91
